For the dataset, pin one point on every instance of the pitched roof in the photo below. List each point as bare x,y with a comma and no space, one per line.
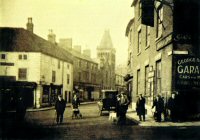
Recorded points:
21,40
128,26
106,41
82,56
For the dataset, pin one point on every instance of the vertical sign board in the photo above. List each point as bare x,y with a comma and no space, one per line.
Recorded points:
148,12
187,71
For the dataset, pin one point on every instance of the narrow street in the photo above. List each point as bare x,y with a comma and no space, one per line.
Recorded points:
41,125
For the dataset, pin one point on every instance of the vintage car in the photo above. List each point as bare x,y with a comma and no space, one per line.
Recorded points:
108,99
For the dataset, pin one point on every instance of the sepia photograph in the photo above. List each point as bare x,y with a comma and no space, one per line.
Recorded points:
99,70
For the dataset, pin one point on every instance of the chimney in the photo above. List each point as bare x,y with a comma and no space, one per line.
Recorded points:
29,25
52,37
66,43
87,52
77,48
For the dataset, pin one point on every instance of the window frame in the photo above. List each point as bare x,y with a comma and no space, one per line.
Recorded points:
22,75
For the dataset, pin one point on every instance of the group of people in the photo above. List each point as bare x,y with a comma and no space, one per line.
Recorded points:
159,107
60,107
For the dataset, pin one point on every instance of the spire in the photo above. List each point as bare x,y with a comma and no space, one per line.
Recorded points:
106,41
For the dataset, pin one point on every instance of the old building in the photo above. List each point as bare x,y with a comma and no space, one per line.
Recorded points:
106,55
164,57
33,67
120,72
86,71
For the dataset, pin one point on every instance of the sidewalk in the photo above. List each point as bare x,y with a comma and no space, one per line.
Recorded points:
52,107
131,114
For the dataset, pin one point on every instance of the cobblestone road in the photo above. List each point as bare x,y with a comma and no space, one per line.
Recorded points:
41,125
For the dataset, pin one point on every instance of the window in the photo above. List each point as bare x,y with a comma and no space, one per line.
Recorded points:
158,77
139,42
25,57
53,76
79,76
159,25
68,66
79,63
130,36
22,74
147,36
139,9
138,81
146,80
87,65
68,79
3,56
58,64
20,57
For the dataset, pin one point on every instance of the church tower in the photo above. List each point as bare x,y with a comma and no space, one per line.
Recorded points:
106,55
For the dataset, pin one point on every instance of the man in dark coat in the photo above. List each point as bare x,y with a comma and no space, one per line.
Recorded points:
122,107
20,109
159,108
140,107
60,108
172,107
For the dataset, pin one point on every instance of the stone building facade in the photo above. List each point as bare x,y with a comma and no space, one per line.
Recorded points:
86,72
156,52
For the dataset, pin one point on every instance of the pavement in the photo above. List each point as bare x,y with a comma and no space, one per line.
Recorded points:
131,114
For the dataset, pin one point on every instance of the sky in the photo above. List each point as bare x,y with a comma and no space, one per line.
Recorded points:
82,20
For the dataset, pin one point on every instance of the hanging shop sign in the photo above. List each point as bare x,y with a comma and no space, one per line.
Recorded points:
187,71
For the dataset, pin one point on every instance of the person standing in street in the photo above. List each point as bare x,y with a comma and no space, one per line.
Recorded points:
159,107
172,108
60,108
140,107
122,107
20,108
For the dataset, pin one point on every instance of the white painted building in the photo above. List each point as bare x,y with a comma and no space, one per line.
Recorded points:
29,58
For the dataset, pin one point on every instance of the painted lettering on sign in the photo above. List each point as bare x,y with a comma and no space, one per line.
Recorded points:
187,71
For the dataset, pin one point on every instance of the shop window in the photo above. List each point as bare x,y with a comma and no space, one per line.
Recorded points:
22,74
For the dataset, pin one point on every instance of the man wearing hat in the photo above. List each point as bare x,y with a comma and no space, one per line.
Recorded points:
60,108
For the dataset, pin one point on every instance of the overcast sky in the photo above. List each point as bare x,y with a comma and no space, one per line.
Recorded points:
82,20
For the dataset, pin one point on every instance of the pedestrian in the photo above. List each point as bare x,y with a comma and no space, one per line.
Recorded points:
75,102
158,103
20,108
75,105
60,108
122,107
140,107
172,108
